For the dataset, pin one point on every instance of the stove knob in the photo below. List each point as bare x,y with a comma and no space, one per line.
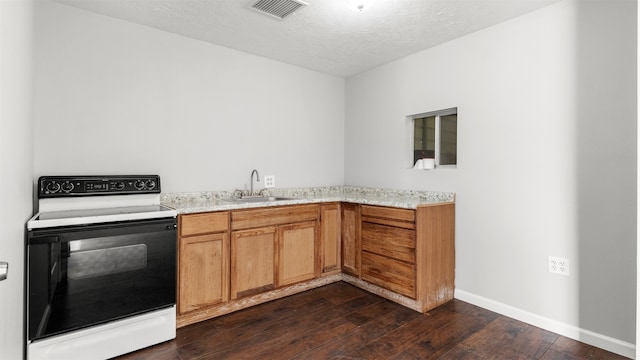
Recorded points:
119,185
150,184
138,184
52,187
67,187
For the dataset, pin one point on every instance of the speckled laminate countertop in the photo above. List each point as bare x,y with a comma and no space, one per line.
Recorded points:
186,203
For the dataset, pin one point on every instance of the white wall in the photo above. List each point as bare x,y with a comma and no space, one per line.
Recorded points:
114,97
16,163
546,160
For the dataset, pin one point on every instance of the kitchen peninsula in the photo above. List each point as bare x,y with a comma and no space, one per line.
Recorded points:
398,244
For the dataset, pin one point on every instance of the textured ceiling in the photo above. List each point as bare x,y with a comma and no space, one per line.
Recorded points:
325,36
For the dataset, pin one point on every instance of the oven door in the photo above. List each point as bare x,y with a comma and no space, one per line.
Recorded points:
79,276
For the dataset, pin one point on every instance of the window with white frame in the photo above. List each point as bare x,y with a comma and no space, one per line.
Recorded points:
435,136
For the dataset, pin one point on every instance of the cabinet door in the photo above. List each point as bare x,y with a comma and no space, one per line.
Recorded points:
298,258
252,261
350,223
330,237
203,270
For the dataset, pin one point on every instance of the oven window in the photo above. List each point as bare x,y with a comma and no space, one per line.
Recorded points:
104,262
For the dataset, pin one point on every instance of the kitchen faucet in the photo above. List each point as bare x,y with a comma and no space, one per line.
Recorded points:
251,181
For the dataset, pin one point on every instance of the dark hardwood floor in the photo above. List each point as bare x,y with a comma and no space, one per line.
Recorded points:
340,321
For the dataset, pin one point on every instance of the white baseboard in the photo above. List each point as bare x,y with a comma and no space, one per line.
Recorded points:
586,336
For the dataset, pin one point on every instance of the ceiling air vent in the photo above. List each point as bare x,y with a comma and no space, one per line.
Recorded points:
278,8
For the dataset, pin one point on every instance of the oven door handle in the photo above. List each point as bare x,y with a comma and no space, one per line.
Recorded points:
43,240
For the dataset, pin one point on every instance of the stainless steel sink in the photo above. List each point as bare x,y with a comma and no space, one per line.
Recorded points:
255,199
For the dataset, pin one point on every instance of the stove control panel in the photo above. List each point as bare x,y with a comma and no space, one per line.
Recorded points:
63,186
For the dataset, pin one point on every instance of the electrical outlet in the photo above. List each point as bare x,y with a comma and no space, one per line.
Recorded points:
558,265
269,181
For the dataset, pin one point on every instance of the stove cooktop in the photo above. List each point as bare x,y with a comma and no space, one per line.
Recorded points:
96,216
68,214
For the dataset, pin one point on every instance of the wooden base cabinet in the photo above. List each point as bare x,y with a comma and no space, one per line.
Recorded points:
203,261
284,252
232,260
410,252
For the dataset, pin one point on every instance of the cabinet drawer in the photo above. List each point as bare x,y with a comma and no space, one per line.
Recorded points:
394,275
404,218
246,219
389,241
202,223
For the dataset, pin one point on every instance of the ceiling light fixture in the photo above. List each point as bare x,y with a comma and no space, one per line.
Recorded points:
359,4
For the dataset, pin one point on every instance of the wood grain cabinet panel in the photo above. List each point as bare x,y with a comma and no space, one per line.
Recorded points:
350,237
276,247
204,223
203,271
203,261
330,238
400,218
389,241
410,252
435,254
270,216
297,253
397,276
388,248
252,261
